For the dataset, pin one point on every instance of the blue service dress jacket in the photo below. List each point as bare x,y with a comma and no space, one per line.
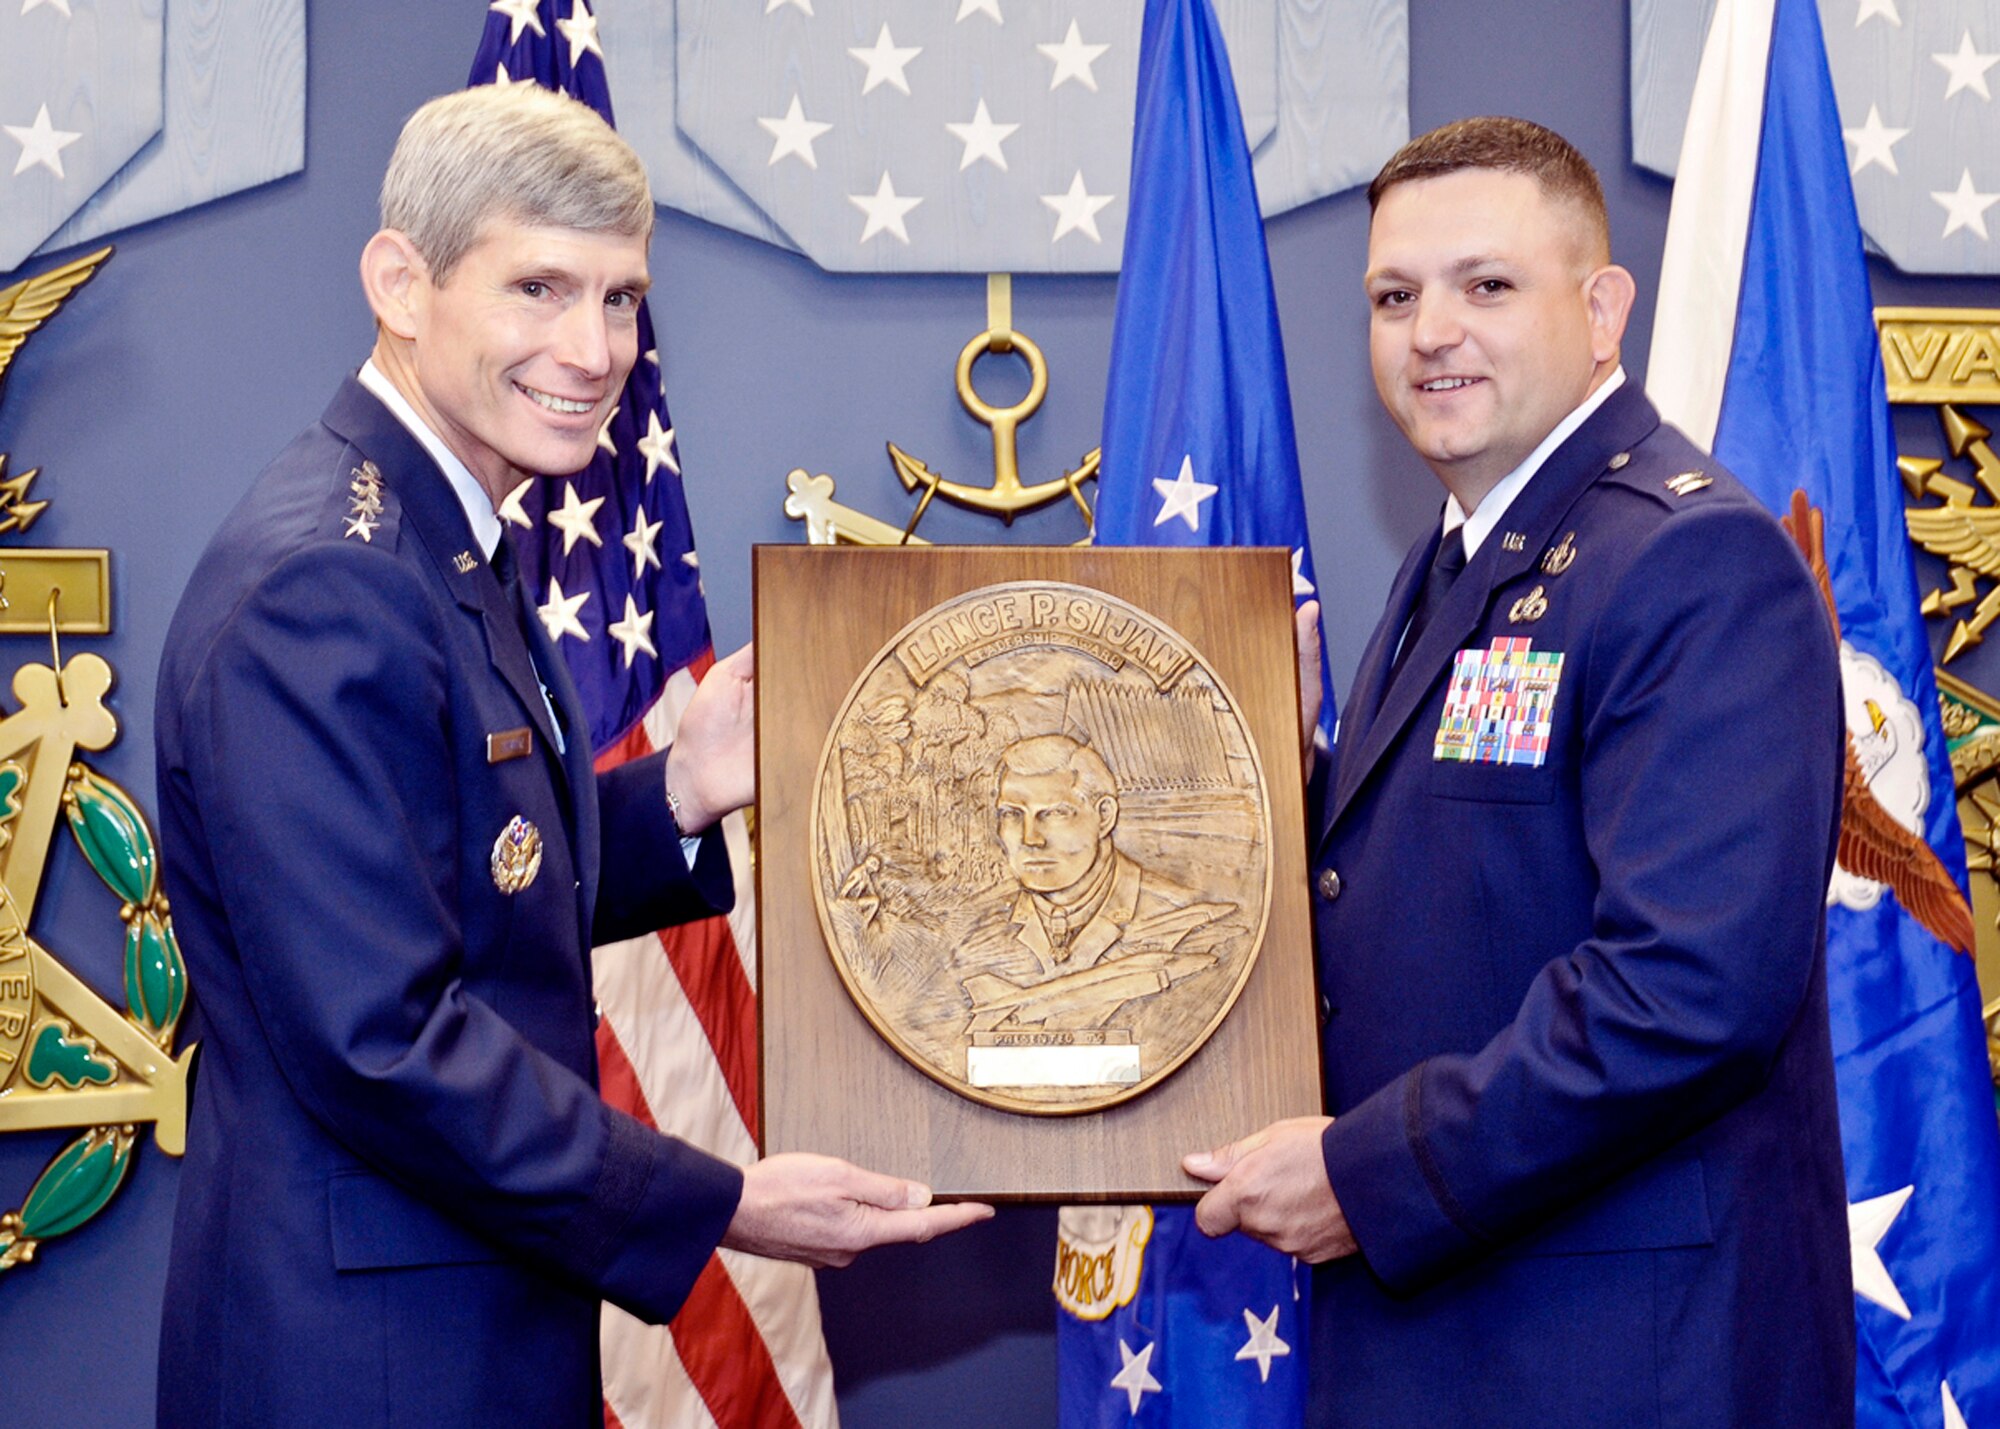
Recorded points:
402,1198
1574,998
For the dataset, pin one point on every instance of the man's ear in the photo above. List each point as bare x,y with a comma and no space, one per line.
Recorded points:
1107,814
1608,294
394,278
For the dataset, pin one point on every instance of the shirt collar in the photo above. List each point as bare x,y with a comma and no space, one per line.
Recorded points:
1479,525
464,485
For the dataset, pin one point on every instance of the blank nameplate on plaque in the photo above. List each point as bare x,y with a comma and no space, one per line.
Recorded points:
1052,1059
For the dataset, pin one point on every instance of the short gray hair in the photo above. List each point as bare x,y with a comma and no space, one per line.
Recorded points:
514,151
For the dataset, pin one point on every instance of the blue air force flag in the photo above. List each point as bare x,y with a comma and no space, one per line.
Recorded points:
1765,350
1160,1325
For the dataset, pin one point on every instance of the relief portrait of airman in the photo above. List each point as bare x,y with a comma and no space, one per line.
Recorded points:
1042,865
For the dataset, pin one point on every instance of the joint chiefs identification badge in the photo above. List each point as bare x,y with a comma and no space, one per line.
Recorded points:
517,855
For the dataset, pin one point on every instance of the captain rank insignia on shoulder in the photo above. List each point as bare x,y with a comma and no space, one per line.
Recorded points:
1689,482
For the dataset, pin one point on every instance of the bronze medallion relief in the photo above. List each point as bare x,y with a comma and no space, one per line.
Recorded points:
1040,847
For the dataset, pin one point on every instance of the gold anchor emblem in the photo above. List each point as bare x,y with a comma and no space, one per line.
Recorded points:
1008,495
809,498
1529,607
1557,558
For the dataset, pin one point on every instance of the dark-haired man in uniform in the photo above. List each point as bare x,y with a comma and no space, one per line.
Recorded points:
1584,1166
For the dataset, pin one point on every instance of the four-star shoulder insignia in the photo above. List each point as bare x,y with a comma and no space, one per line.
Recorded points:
366,484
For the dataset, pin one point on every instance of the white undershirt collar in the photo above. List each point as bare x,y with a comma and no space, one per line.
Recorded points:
471,495
1494,504
464,485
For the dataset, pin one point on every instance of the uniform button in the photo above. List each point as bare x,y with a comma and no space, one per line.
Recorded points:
1619,462
1329,884
1325,1010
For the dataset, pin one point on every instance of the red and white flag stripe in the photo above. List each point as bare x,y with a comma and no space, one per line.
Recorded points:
677,1048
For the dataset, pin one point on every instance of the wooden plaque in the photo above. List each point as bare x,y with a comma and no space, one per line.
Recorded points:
919,1015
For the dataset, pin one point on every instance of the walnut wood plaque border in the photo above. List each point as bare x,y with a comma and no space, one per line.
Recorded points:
829,1081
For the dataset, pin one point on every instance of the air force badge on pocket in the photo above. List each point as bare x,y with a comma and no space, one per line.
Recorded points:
1499,705
517,855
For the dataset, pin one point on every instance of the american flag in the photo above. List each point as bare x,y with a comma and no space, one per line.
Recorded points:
609,555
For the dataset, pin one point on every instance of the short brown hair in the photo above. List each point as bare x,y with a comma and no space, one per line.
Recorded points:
1516,146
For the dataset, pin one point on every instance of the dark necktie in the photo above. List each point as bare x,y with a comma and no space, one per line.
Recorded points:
1444,569
507,570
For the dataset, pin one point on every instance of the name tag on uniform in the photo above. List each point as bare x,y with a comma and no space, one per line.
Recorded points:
1499,705
510,744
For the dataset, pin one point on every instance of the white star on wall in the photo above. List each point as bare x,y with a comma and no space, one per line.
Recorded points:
643,541
1967,68
604,433
511,509
522,14
1180,497
886,62
1263,1345
657,447
981,7
1867,1222
805,5
41,143
1300,585
576,519
1871,8
559,613
1076,211
62,5
1965,206
580,29
1134,1377
982,139
794,134
634,632
1874,143
885,210
1073,59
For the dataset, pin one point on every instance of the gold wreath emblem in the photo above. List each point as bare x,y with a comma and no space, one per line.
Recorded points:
517,856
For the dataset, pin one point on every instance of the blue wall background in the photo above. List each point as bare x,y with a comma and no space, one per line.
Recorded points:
213,336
